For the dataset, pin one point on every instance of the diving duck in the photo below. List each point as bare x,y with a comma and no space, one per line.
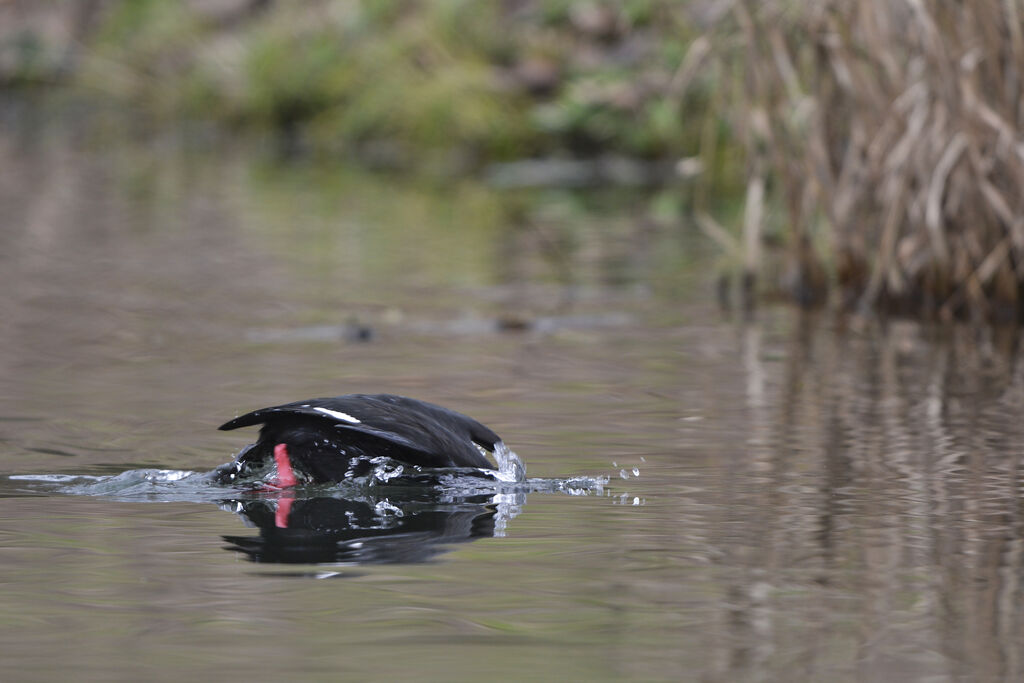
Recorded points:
332,439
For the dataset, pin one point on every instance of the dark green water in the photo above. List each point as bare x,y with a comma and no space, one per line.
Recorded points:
809,502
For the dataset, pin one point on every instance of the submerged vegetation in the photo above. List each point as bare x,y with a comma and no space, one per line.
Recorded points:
879,143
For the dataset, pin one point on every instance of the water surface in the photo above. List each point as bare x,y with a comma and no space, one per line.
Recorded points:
788,497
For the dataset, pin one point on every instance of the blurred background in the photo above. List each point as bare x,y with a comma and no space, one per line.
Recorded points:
756,263
864,155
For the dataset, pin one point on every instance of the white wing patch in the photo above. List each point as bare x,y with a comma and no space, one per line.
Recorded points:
344,417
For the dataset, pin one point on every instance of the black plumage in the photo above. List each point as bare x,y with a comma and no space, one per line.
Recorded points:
326,438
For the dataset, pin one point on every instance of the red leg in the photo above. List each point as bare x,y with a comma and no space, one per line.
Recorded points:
285,473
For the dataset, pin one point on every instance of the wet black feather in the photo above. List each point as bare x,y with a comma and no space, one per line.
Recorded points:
404,429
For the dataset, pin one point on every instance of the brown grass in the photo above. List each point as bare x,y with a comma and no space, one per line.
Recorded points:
896,124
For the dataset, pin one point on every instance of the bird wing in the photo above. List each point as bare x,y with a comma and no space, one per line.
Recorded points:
410,423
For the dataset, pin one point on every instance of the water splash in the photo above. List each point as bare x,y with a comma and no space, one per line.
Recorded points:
394,513
386,469
384,507
131,485
510,466
54,478
508,486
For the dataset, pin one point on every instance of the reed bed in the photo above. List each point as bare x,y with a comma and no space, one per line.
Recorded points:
880,140
891,133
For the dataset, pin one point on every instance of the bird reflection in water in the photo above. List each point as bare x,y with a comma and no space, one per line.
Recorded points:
364,530
347,439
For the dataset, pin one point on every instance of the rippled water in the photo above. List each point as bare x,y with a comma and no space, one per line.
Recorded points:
708,498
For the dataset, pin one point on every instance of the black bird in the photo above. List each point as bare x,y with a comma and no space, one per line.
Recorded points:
333,439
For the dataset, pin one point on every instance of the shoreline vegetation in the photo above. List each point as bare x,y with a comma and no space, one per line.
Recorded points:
879,143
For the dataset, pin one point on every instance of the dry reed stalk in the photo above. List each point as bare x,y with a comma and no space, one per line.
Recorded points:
900,126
